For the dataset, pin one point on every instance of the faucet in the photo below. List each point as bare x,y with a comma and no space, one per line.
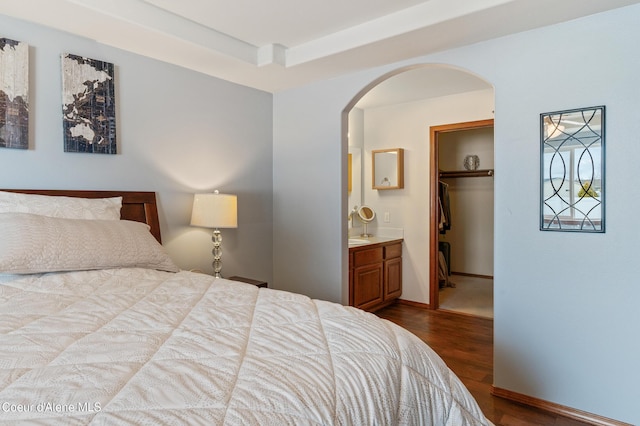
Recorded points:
352,212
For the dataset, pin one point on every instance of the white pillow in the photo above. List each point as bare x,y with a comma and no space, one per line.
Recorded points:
34,244
65,207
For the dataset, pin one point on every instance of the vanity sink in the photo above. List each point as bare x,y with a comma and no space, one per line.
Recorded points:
353,241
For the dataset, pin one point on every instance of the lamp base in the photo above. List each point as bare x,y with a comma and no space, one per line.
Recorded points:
217,253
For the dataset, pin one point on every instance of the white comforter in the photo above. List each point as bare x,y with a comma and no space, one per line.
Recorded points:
137,346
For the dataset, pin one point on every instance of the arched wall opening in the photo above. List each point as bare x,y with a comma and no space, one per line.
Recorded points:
397,110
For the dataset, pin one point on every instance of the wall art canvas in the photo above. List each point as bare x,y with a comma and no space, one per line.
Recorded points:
88,105
14,94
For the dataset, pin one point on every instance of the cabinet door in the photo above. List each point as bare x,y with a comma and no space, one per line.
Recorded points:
393,278
368,288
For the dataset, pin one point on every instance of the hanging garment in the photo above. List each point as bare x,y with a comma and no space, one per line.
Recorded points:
443,273
444,222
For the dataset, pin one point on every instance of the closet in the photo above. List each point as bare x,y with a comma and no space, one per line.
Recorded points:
465,238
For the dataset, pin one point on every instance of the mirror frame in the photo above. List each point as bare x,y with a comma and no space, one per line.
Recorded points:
349,173
399,168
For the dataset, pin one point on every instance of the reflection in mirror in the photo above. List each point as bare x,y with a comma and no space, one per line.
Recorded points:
572,175
349,172
366,216
388,168
354,169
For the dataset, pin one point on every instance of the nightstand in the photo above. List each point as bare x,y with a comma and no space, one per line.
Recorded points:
250,281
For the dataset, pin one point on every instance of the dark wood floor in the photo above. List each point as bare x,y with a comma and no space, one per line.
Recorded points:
465,343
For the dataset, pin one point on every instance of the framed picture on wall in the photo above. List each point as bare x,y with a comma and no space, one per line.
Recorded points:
88,105
572,174
14,94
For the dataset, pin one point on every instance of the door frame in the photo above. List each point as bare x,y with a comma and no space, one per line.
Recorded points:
434,177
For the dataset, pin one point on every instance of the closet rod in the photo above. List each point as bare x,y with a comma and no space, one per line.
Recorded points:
466,173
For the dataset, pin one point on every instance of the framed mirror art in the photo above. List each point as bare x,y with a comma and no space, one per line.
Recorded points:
388,168
572,170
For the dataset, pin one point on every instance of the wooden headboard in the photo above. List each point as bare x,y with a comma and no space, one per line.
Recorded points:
136,205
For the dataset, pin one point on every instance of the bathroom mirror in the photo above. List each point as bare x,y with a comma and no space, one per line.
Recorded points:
354,177
388,168
349,172
366,216
572,170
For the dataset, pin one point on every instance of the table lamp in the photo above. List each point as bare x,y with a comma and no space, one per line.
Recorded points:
215,211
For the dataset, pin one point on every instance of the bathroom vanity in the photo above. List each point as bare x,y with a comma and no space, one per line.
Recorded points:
375,272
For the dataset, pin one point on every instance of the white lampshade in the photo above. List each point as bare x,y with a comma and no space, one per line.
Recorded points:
215,210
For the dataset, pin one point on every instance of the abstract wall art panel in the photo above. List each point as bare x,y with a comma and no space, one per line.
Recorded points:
14,94
88,105
572,170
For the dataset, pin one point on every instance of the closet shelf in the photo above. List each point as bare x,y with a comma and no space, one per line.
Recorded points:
466,173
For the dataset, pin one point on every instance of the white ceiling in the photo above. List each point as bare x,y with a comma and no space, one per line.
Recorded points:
274,45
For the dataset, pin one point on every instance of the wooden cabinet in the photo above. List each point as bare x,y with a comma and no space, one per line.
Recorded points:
375,275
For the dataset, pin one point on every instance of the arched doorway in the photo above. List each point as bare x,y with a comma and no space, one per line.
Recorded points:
416,85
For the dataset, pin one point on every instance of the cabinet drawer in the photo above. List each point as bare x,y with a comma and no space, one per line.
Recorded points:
391,251
364,257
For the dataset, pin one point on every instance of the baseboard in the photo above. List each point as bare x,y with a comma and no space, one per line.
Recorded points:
464,314
565,411
465,274
414,304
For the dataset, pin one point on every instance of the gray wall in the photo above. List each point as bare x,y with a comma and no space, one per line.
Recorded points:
179,132
565,304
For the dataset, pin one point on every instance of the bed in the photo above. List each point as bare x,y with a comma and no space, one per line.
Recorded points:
98,326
